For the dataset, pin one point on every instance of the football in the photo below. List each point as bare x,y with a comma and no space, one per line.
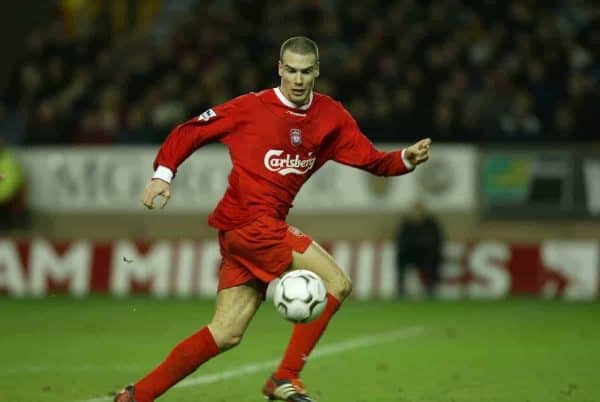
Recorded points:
300,296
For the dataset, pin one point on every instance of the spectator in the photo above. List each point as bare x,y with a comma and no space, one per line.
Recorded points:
419,244
520,121
13,210
12,124
136,128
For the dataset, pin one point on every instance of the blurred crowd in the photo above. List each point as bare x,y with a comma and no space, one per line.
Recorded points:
454,70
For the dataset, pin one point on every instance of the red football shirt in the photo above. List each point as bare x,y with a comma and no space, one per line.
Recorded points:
275,148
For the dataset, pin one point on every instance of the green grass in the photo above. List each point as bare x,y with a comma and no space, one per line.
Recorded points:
67,350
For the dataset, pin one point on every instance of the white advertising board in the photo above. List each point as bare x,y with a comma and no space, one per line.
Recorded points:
591,172
112,179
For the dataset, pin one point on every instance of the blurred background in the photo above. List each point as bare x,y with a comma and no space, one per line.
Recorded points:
508,90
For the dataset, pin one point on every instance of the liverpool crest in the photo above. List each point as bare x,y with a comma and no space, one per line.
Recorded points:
296,136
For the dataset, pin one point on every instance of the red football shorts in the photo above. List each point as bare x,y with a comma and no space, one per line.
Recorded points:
258,252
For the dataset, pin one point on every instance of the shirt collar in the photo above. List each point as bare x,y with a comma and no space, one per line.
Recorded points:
289,103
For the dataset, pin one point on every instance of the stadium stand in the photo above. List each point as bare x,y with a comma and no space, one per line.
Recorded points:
478,71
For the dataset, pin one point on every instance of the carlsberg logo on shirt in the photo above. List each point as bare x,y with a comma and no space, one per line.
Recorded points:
286,164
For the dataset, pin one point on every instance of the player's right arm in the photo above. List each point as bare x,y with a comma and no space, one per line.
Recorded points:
212,125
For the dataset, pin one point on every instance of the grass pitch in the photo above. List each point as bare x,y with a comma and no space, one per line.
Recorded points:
69,350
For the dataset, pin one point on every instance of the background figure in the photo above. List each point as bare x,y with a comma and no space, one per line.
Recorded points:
419,244
13,210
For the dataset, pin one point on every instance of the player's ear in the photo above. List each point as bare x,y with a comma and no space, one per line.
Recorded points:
317,71
279,68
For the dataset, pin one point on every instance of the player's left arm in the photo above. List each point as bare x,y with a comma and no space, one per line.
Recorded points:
351,147
418,152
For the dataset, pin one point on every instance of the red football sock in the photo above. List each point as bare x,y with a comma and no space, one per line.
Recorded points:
184,359
304,338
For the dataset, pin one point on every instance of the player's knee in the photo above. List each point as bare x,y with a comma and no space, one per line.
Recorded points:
225,338
230,341
342,288
346,287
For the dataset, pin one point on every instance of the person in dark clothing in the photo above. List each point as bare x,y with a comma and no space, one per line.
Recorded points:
419,244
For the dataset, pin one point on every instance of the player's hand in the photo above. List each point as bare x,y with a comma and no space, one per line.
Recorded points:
418,152
156,188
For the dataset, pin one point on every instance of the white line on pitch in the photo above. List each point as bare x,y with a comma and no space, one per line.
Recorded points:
326,350
68,369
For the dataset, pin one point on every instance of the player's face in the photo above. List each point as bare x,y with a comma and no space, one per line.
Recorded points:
298,73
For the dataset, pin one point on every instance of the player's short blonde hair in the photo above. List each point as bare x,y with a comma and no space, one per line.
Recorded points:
301,45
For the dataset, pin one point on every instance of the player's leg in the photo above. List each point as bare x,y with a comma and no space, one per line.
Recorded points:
235,308
319,261
305,336
430,267
401,266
